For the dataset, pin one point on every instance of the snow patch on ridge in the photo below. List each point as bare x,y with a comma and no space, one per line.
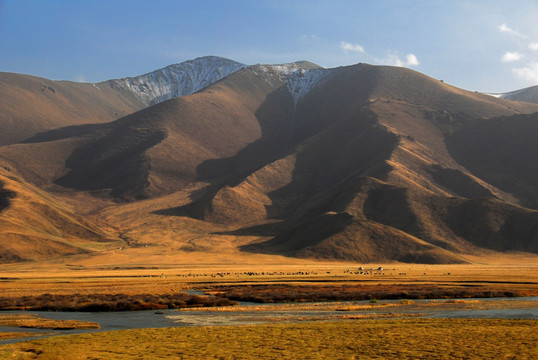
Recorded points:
302,81
298,80
529,94
177,80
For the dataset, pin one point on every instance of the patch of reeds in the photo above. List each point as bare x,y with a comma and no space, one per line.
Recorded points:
36,322
110,302
279,293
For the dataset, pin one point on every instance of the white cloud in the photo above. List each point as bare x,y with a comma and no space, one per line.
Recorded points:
412,60
394,60
511,56
504,28
351,47
533,46
529,73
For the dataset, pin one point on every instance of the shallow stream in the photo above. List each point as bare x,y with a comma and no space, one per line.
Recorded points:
250,313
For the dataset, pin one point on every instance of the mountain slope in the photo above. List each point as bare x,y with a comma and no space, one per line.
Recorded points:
401,141
175,80
503,152
35,225
529,94
29,105
172,139
365,163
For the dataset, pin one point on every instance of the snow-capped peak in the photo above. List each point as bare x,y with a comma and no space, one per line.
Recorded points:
177,80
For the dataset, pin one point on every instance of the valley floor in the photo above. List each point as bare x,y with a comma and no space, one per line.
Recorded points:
377,334
364,339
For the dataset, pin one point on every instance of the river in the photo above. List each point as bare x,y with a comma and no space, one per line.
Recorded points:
249,313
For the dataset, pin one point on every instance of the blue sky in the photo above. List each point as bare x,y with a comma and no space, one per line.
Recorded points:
476,45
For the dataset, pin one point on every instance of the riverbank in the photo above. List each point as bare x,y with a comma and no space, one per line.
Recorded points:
364,339
255,314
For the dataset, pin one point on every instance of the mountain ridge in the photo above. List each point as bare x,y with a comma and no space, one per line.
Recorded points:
357,163
176,80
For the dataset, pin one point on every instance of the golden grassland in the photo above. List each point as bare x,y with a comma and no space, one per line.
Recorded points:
63,278
374,306
35,322
372,334
14,335
364,339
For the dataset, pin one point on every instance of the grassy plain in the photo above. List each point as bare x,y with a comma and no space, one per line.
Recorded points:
365,339
157,278
349,337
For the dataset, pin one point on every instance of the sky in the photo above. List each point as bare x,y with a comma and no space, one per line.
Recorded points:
487,46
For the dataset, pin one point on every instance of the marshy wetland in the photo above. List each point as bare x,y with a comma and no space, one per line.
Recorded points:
290,311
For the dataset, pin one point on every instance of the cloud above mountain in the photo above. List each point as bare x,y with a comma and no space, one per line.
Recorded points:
526,49
529,72
351,47
390,59
395,60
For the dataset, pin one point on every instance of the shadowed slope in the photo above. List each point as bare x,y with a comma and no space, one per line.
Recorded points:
502,151
115,160
5,197
417,206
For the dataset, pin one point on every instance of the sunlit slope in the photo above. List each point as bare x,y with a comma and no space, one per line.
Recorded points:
29,105
35,225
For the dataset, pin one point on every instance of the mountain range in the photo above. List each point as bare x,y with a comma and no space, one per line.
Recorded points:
358,163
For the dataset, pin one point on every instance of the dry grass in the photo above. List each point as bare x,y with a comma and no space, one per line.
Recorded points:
36,322
301,293
387,339
92,277
15,335
110,302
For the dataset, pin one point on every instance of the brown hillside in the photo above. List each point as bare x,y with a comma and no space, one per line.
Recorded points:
167,146
502,151
29,105
419,113
373,164
35,225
